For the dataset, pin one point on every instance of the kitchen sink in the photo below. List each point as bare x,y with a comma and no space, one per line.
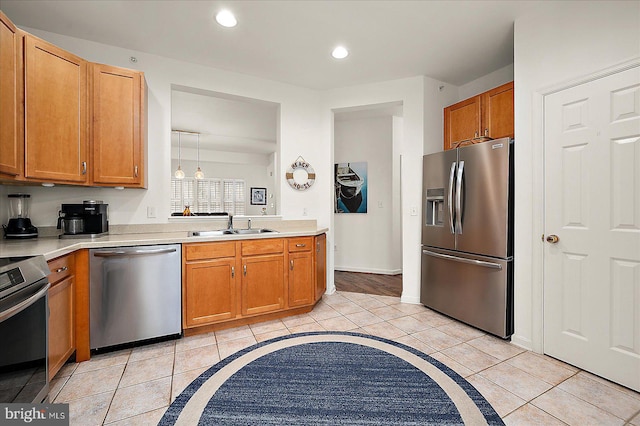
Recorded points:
252,231
210,233
229,232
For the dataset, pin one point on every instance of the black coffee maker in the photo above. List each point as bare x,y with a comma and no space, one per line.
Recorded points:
88,219
19,225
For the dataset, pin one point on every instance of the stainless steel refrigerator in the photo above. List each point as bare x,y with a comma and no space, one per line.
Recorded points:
467,235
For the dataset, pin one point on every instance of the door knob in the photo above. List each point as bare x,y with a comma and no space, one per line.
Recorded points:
553,239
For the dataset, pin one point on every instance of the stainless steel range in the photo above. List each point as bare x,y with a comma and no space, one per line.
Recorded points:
24,375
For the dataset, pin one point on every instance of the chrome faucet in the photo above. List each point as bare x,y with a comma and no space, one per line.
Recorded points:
230,223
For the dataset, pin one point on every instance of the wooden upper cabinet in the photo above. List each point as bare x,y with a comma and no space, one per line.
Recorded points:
11,143
462,121
118,130
489,114
55,113
497,112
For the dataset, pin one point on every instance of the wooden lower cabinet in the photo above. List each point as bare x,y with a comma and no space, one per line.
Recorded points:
62,342
262,284
321,266
210,294
301,290
239,282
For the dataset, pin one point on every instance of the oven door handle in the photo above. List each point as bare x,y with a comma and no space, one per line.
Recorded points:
16,309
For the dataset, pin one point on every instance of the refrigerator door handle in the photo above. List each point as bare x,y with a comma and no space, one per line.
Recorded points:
463,260
459,201
452,174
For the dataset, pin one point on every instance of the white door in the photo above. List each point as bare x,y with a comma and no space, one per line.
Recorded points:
592,204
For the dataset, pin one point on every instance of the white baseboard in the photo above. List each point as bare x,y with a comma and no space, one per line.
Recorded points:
411,300
368,270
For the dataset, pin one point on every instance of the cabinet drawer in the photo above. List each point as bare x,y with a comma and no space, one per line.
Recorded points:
300,244
270,246
61,268
209,250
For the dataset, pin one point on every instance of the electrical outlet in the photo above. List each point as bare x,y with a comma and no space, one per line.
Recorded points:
304,211
413,211
151,211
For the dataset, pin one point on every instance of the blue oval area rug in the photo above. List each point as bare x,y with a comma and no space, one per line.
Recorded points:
330,378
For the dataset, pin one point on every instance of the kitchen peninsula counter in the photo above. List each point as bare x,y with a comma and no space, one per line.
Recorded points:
52,247
292,267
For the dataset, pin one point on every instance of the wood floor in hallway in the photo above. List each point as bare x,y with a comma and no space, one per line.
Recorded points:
358,282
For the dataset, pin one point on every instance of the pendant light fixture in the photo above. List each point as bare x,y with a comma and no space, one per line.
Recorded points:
179,174
199,173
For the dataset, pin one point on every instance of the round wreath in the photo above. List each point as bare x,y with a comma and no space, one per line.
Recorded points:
301,164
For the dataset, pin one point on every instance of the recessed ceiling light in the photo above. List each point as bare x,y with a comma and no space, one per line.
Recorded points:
340,52
226,19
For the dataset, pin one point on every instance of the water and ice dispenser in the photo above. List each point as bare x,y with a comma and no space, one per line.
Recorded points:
434,207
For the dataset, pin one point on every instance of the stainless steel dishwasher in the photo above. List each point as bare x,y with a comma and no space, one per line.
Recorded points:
135,294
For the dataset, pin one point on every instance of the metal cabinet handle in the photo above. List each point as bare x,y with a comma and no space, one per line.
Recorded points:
124,253
233,272
553,239
452,174
476,134
16,309
84,167
301,245
291,265
135,171
244,270
64,268
463,260
459,200
486,132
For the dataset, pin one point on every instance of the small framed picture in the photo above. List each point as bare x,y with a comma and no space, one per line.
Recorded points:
259,196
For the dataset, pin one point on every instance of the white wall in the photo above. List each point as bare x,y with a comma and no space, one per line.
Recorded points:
364,241
578,39
486,82
411,92
299,127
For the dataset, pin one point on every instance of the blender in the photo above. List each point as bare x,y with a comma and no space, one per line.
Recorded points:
19,225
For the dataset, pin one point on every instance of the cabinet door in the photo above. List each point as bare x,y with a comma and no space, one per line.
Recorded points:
55,113
497,112
301,289
262,284
11,143
321,266
117,126
462,121
61,324
209,292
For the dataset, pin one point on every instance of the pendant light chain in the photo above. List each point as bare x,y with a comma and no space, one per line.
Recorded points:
199,174
179,174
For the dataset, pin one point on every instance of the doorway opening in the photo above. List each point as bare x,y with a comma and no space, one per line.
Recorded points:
367,207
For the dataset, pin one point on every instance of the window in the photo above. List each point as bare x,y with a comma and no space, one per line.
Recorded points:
208,195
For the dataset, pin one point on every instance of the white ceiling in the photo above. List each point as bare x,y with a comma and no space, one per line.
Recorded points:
291,41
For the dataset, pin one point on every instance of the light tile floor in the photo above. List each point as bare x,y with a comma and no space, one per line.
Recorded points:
135,386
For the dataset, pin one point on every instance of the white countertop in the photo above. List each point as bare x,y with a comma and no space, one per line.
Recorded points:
52,247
